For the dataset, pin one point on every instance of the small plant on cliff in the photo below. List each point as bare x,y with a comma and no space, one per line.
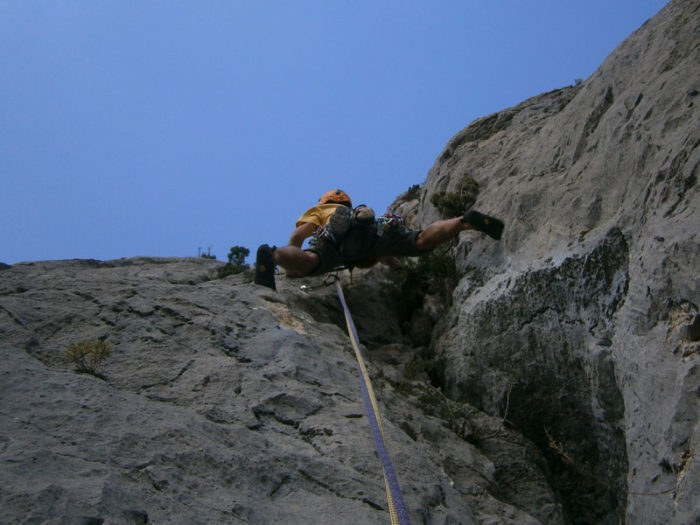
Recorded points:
413,192
434,273
207,254
236,261
87,356
454,204
434,403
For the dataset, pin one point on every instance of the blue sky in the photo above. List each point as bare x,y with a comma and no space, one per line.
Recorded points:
159,128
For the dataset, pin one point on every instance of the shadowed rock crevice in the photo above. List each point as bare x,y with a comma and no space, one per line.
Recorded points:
542,349
606,100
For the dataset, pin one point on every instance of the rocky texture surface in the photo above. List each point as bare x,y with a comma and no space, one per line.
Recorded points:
551,377
582,317
224,402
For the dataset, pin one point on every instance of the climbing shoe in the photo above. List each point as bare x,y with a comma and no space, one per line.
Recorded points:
339,223
483,223
265,266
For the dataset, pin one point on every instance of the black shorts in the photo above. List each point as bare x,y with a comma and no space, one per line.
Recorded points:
383,238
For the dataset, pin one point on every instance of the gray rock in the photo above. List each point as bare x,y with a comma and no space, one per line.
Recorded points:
585,312
225,402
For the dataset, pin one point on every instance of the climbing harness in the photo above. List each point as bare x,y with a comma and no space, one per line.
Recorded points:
397,509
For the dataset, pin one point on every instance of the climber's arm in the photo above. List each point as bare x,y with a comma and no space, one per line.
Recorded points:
302,231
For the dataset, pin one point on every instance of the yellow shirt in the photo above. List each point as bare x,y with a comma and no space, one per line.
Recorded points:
319,214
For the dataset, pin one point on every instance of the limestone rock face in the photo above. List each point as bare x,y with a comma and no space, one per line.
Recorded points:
550,377
582,318
226,402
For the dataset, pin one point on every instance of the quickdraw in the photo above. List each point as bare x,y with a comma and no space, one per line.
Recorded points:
388,221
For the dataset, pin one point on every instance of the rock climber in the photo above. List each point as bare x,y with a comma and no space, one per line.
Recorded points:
345,236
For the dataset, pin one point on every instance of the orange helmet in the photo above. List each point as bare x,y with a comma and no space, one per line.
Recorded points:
336,196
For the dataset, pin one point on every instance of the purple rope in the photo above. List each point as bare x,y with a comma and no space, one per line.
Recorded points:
389,471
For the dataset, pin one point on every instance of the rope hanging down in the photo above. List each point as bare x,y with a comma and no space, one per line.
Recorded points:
397,509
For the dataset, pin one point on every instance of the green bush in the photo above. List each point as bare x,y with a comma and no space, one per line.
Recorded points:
87,356
236,261
413,192
454,204
432,273
237,255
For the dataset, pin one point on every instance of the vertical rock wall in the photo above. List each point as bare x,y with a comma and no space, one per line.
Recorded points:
578,326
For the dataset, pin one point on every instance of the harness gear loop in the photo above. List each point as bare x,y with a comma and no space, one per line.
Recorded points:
397,508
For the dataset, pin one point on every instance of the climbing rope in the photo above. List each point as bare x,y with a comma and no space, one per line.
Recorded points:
397,509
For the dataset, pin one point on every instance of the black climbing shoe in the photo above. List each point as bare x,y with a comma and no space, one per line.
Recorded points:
265,266
483,223
340,223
